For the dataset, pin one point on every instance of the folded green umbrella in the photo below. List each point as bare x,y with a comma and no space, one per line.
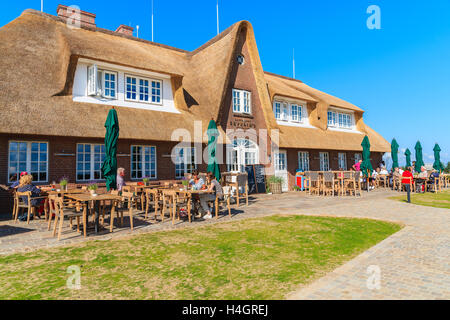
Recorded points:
437,158
213,133
419,157
408,157
394,153
366,166
109,166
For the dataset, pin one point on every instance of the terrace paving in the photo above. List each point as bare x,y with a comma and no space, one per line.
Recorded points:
414,263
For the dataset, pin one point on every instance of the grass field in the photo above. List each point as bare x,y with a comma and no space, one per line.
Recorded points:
437,200
260,258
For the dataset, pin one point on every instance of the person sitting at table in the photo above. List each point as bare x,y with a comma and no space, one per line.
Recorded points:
421,179
16,183
433,176
25,184
384,171
120,179
215,186
375,174
196,181
357,166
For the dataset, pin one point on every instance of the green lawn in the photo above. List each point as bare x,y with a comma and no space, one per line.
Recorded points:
260,258
437,200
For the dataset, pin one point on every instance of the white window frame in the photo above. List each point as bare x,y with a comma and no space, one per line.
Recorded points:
277,110
358,156
143,172
150,94
28,159
303,160
339,119
96,82
284,111
279,164
324,165
91,161
342,160
188,157
109,96
238,152
242,101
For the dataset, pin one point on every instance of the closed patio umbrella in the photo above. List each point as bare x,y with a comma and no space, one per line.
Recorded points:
109,166
213,133
437,158
408,157
394,153
419,157
366,166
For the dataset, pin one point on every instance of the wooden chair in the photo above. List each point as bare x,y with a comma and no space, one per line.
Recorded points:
355,183
314,183
19,204
119,207
347,182
239,186
152,198
225,200
411,183
383,180
328,183
61,212
168,200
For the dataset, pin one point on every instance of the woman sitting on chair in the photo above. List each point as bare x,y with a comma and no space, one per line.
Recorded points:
205,198
25,185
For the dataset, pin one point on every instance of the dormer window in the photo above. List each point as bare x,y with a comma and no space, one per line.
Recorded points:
102,83
290,112
138,89
340,119
241,101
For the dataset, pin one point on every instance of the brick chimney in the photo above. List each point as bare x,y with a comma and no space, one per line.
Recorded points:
73,16
123,29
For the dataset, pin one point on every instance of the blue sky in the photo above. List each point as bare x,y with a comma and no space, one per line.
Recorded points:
400,74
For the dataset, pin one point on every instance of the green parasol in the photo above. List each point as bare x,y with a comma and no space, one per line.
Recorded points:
366,166
437,158
408,157
394,153
213,133
419,157
109,166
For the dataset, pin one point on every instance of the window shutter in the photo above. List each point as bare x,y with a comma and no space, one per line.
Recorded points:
92,80
100,82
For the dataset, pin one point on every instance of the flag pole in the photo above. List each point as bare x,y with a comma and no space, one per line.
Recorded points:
217,9
293,62
152,20
42,5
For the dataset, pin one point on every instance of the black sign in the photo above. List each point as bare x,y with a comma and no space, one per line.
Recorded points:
256,178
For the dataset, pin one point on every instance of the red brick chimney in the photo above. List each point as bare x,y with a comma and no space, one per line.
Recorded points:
123,29
74,16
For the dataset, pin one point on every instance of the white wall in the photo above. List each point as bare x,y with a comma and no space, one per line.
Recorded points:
79,90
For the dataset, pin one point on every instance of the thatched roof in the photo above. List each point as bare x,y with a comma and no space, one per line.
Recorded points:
39,53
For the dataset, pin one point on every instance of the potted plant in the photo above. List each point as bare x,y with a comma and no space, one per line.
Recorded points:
185,183
63,183
275,184
92,187
146,181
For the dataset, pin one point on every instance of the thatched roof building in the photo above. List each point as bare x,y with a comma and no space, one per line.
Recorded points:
39,55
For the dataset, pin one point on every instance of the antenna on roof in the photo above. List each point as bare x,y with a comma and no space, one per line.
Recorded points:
42,5
217,7
293,63
137,31
152,20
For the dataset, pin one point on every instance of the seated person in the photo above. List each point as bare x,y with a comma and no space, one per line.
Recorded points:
120,181
432,180
423,176
384,171
423,173
196,181
16,183
205,198
25,184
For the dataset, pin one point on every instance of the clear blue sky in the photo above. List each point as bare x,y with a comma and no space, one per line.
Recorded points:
400,75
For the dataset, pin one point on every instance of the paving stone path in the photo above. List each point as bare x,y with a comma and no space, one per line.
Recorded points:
414,263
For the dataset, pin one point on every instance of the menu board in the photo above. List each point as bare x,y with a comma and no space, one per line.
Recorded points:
256,178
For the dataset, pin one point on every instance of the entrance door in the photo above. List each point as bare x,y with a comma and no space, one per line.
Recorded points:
241,153
280,159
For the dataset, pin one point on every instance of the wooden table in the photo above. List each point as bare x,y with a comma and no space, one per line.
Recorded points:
85,198
189,194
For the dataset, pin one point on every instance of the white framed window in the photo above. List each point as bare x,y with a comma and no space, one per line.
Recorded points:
284,112
294,112
303,161
143,162
277,110
280,161
29,156
90,158
242,101
240,153
358,156
102,82
342,160
324,161
143,89
340,119
185,161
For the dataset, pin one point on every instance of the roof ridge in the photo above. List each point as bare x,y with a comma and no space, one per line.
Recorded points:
283,77
106,31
